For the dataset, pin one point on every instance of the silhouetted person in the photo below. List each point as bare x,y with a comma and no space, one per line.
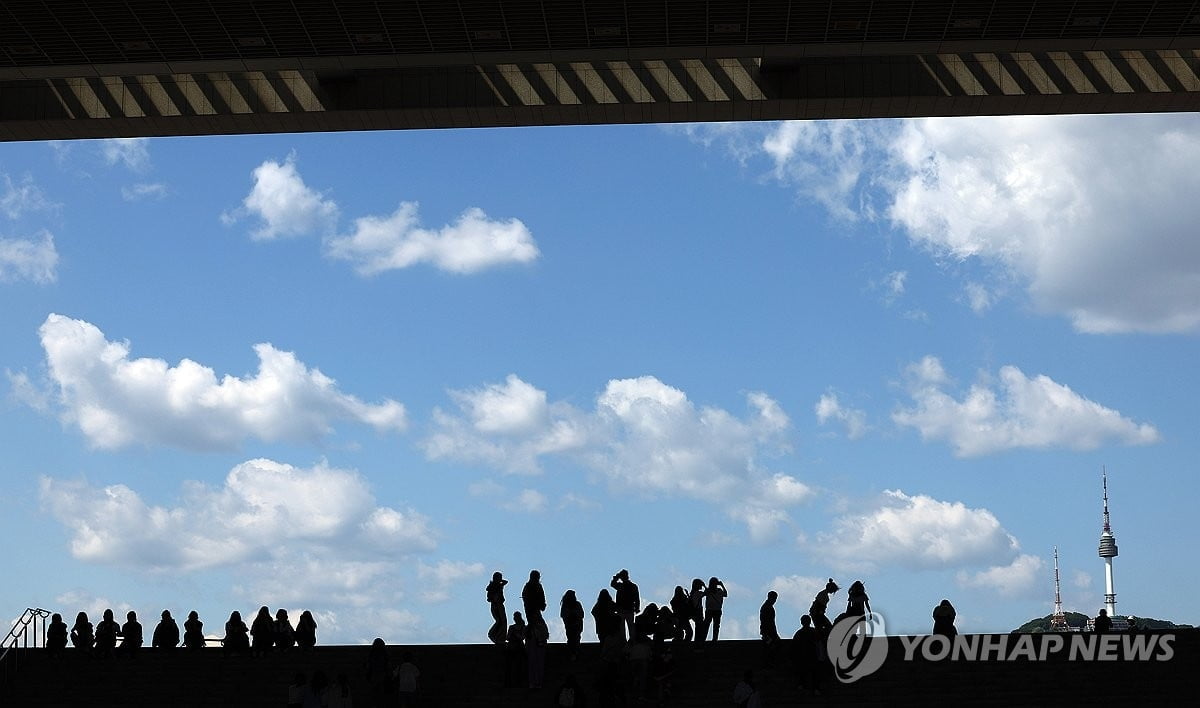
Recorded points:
237,638
1132,628
262,631
107,632
681,609
604,613
166,634
306,631
696,600
628,600
820,605
514,653
857,602
943,619
806,653
767,629
56,636
665,628
296,690
193,631
714,601
645,623
534,599
82,635
407,676
379,675
570,694
131,634
495,598
339,694
281,630
1102,623
571,612
536,638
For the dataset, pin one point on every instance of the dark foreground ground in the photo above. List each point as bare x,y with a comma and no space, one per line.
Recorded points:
469,676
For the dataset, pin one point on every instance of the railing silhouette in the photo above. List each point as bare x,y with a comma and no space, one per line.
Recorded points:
29,630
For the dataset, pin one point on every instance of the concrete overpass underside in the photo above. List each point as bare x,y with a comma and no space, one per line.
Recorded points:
180,67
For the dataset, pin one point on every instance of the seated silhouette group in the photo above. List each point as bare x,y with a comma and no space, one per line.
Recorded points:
102,639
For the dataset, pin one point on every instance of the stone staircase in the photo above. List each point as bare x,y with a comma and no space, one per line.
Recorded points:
470,676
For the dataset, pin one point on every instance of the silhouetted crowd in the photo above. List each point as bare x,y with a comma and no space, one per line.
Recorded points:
265,633
638,642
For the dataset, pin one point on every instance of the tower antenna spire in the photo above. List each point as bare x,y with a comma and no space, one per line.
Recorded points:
1108,551
1058,621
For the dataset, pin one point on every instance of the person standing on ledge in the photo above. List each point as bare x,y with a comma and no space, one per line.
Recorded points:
1103,623
534,598
767,628
495,598
714,603
628,600
819,605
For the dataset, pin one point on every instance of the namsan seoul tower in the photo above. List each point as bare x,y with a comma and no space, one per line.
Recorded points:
1108,551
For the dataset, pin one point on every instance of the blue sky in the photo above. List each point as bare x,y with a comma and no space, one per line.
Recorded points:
356,373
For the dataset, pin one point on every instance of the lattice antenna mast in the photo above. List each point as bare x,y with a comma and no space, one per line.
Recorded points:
1058,621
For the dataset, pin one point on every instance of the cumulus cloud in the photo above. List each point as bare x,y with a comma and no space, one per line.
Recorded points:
284,205
472,243
133,153
643,437
118,401
1023,412
829,408
34,259
1093,215
264,510
1016,578
916,532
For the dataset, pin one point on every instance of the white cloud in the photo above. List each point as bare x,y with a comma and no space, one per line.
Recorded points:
34,259
529,501
1016,578
266,511
1024,413
1093,215
284,205
17,198
473,243
796,590
118,401
829,408
144,190
826,161
80,600
436,580
24,391
893,285
1081,580
979,297
131,152
643,437
916,532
